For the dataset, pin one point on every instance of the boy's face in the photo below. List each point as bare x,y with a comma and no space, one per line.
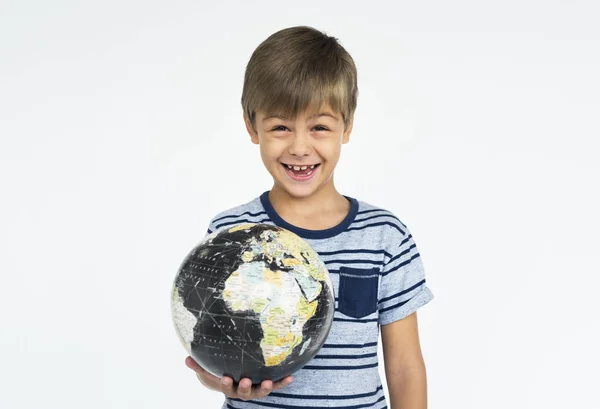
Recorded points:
301,153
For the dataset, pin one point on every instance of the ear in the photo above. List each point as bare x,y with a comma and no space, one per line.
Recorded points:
251,132
348,130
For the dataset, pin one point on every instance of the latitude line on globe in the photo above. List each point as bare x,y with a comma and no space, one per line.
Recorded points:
241,246
222,332
220,281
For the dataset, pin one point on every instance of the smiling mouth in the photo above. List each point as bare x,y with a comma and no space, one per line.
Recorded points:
300,170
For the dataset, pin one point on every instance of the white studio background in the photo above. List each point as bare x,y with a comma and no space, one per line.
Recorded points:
121,135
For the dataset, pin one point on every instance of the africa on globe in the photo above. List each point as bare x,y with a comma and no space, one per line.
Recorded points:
252,301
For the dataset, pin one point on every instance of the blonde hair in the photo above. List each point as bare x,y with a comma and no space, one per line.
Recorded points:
298,67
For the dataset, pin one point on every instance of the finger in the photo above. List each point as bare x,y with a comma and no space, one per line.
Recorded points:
193,365
206,378
201,372
264,389
244,390
282,383
227,387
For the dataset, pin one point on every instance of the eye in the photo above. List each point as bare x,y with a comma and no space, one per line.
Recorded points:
316,127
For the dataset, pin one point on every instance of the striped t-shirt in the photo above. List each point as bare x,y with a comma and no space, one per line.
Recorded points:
372,257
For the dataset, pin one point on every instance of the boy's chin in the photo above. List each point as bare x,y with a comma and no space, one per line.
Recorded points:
298,191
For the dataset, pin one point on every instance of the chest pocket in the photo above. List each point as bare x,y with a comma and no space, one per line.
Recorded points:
357,292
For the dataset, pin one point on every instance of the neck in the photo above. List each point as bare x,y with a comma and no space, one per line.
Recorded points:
323,201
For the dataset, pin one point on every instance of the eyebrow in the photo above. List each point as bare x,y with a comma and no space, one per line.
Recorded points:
314,116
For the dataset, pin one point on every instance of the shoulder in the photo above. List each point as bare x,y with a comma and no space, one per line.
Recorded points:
383,225
250,211
239,210
377,215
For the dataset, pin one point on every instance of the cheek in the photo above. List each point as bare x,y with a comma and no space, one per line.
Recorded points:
330,150
271,150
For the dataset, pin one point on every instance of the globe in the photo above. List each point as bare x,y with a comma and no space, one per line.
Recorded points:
252,301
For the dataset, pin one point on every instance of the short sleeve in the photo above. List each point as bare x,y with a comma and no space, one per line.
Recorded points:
402,285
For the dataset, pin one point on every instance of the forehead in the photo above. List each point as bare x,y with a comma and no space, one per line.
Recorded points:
310,112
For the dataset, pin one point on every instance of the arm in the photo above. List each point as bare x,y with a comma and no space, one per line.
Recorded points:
404,365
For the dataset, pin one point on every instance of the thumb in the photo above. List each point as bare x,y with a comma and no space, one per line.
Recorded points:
206,378
193,365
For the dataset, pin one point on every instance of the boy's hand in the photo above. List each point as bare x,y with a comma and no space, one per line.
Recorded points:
244,390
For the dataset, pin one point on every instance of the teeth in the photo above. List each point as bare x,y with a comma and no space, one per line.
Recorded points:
299,167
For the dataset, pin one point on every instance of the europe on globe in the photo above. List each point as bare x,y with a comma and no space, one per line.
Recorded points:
252,301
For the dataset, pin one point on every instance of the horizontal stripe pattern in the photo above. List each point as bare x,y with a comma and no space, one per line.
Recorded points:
332,397
349,346
346,356
344,373
340,367
267,404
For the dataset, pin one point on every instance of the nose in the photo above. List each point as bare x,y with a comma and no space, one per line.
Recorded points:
300,144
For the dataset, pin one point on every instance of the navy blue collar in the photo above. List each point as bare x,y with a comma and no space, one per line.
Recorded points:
310,234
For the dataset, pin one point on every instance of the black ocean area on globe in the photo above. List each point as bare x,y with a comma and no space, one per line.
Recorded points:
264,341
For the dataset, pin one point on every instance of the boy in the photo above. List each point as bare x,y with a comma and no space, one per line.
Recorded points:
299,97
